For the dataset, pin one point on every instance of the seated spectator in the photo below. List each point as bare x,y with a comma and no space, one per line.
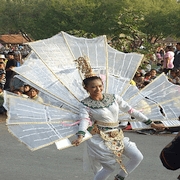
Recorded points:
19,93
174,77
26,89
18,58
33,94
178,72
141,70
153,73
147,78
138,79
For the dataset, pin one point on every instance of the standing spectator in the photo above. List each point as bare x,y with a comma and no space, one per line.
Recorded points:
2,109
18,56
2,58
2,74
162,52
147,66
9,73
177,57
168,59
159,59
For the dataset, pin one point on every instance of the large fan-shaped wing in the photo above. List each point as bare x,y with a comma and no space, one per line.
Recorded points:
159,101
51,68
36,124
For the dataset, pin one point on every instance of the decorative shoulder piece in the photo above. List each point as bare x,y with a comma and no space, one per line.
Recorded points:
85,67
107,100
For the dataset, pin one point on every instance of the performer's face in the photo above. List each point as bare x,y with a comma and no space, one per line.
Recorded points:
95,87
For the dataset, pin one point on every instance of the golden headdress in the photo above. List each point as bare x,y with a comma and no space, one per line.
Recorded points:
85,67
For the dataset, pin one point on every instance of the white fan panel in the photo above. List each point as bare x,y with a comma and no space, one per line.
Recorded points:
37,136
161,90
76,47
123,64
130,91
139,125
147,106
49,98
24,110
171,123
95,49
164,94
34,70
116,85
54,53
73,82
172,109
152,113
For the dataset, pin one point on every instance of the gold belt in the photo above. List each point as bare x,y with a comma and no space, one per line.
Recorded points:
96,130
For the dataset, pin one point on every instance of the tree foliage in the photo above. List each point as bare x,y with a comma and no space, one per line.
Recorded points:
127,23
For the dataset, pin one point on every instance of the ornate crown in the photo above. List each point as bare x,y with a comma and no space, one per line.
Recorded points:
85,67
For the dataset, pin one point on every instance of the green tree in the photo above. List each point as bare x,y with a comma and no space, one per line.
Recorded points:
127,23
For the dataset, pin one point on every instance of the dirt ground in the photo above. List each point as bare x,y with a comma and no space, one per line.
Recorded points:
3,118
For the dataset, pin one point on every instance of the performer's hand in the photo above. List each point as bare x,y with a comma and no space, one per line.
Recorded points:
158,126
78,140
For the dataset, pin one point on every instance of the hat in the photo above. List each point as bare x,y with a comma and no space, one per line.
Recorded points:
2,56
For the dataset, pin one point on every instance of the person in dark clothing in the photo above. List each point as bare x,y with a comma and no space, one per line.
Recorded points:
2,109
177,57
9,73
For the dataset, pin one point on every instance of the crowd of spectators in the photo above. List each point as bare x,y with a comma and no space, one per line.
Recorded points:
10,57
165,60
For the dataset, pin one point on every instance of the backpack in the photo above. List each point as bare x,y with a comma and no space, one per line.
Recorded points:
170,155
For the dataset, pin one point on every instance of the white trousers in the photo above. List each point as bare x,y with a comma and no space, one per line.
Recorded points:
102,170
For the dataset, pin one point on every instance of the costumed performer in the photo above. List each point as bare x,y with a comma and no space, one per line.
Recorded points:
108,143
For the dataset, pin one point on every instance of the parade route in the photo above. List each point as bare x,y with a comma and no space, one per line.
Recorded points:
19,163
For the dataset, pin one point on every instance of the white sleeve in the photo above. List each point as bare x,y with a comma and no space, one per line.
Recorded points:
84,117
125,107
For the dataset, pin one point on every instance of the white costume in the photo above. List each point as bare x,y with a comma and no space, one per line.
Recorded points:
106,112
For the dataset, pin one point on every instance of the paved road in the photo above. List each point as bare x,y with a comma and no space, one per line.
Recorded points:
17,162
